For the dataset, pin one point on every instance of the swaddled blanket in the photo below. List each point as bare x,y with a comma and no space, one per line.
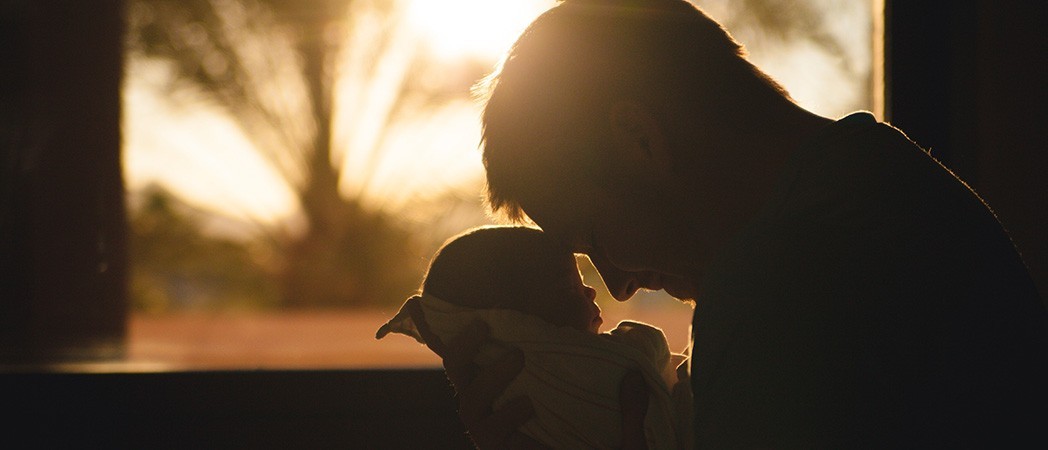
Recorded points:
572,377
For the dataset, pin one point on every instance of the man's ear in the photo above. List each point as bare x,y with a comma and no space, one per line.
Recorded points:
638,136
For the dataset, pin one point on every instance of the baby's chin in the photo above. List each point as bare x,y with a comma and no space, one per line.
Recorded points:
594,326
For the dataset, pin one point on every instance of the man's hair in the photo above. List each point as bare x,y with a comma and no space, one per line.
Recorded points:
496,266
556,83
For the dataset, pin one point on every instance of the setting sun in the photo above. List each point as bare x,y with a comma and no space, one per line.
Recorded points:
478,28
162,131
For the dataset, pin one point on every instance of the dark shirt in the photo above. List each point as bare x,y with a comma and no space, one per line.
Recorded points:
875,302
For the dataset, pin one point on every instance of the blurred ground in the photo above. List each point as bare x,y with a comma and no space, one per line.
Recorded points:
314,340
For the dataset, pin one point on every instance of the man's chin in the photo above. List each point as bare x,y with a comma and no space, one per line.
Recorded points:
679,288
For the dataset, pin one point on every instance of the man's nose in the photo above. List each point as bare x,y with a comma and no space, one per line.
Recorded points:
621,284
591,294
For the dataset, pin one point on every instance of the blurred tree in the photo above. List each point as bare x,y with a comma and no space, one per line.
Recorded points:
782,21
316,85
286,71
783,26
175,264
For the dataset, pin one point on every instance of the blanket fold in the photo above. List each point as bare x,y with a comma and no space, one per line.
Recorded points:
572,377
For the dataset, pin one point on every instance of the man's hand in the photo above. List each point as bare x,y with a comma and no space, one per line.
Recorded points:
477,388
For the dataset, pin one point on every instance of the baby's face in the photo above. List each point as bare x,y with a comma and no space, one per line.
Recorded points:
570,302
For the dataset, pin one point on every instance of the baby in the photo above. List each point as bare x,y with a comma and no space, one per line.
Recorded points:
528,289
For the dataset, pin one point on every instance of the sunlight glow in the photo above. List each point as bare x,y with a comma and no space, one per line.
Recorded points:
429,151
828,83
477,28
439,161
200,155
412,156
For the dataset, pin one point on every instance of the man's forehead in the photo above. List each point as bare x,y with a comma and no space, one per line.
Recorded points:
567,214
556,217
574,237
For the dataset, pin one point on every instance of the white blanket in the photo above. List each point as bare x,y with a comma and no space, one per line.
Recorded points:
572,377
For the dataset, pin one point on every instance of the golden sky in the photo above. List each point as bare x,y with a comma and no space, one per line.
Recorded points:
200,154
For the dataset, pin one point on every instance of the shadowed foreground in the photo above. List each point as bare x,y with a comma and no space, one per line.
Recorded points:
232,409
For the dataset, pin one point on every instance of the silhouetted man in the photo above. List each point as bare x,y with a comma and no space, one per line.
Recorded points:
851,292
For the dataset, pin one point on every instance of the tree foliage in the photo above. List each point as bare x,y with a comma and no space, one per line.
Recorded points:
176,264
317,87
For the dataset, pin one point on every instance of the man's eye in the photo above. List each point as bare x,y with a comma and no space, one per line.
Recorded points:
591,240
582,243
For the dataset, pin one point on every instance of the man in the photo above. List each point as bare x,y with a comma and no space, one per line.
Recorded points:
850,291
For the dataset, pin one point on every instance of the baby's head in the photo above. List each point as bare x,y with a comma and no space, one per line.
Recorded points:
516,268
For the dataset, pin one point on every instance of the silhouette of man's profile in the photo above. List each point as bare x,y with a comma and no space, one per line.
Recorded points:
850,291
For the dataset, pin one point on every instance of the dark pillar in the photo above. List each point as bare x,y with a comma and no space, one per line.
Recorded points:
62,220
930,78
969,80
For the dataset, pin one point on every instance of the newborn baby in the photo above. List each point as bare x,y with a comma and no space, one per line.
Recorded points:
528,289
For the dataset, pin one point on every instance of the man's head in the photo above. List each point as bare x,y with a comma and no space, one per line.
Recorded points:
516,268
549,101
595,124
